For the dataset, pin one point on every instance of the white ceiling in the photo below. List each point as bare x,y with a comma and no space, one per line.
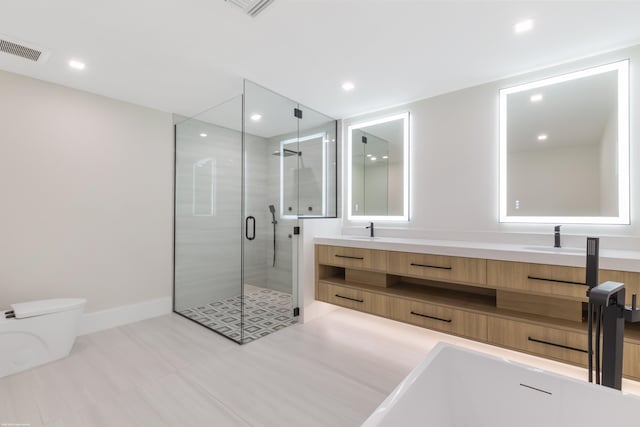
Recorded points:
184,56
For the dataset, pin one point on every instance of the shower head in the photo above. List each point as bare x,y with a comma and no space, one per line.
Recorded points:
272,209
286,152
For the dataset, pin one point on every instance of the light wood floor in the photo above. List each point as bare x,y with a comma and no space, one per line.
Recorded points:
168,371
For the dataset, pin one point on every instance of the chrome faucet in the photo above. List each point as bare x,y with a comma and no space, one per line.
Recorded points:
370,227
556,236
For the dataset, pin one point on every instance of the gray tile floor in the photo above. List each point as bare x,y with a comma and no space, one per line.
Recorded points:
169,371
265,311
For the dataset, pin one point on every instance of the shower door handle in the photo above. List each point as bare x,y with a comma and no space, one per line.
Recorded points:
253,228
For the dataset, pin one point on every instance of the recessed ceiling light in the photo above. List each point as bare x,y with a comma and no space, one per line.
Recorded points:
348,86
369,155
77,65
204,135
385,157
536,97
373,159
256,117
542,137
523,26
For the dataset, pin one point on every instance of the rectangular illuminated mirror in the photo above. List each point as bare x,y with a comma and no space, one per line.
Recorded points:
378,169
564,148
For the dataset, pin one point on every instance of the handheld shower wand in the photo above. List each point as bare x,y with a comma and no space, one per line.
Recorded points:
593,258
272,209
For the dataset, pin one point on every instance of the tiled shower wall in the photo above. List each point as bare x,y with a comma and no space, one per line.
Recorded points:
207,244
304,189
209,219
208,241
257,202
279,277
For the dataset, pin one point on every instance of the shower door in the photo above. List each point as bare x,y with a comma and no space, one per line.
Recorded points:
270,208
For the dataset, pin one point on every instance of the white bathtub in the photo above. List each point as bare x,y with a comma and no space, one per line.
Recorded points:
457,387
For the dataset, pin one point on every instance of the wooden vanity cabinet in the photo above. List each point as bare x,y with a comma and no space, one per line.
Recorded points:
534,308
357,258
553,280
542,340
440,318
438,267
631,359
539,279
354,298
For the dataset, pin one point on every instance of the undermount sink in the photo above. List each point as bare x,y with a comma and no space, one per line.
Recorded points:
369,239
573,251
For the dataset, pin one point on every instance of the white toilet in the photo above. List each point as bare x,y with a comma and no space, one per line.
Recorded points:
37,332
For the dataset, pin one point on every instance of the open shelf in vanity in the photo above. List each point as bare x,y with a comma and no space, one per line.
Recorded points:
535,308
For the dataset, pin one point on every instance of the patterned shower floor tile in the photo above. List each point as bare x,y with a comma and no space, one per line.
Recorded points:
265,311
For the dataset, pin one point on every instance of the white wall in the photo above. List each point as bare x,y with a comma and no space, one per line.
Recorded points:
86,184
454,166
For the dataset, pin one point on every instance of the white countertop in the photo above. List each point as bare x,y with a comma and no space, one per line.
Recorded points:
610,259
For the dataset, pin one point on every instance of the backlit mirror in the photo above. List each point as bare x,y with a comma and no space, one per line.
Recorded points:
564,148
378,176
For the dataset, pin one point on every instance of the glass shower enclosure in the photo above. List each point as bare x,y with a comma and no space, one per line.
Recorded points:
246,172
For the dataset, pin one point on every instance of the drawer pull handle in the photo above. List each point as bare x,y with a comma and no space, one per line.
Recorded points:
556,281
430,266
350,299
350,257
566,347
431,317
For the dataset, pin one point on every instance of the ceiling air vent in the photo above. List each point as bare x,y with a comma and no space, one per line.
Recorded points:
251,7
21,49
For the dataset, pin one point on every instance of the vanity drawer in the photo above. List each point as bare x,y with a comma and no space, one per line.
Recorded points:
438,267
368,259
631,360
541,340
440,318
542,279
356,299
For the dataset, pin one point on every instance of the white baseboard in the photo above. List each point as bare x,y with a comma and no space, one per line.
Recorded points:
118,316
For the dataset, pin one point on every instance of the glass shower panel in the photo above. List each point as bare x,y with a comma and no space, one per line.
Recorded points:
242,169
270,208
208,212
317,165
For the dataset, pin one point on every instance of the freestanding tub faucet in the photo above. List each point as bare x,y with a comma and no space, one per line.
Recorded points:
556,236
608,311
370,227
